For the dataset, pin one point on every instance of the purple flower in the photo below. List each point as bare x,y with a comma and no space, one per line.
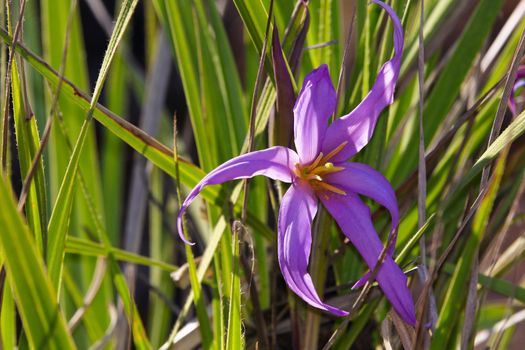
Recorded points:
520,82
319,174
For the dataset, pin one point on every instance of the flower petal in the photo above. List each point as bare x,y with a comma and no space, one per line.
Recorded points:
353,217
365,180
315,104
520,82
357,127
276,163
298,209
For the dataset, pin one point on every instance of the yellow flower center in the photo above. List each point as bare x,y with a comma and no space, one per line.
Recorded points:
315,172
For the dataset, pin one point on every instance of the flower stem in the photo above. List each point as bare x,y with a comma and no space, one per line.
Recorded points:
318,266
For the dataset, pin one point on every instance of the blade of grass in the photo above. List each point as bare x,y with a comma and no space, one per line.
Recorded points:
27,144
7,315
81,246
36,300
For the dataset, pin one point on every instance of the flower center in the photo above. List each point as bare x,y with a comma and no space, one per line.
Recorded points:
315,172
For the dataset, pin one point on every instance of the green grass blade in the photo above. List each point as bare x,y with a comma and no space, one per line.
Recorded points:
234,338
60,215
36,300
81,246
28,141
8,318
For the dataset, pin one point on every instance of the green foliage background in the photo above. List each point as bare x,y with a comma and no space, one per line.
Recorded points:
89,255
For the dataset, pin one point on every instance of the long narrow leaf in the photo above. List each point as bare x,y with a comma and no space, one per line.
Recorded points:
35,296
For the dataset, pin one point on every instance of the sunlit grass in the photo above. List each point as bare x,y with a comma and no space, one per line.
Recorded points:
89,251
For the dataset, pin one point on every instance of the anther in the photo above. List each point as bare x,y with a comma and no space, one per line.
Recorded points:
314,177
335,151
331,188
315,163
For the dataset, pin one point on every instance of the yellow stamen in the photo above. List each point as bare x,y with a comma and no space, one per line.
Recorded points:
314,177
314,172
334,152
330,188
315,163
328,168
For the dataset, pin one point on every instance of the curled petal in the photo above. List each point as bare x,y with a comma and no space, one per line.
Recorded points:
353,217
315,104
298,209
520,82
358,126
277,163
